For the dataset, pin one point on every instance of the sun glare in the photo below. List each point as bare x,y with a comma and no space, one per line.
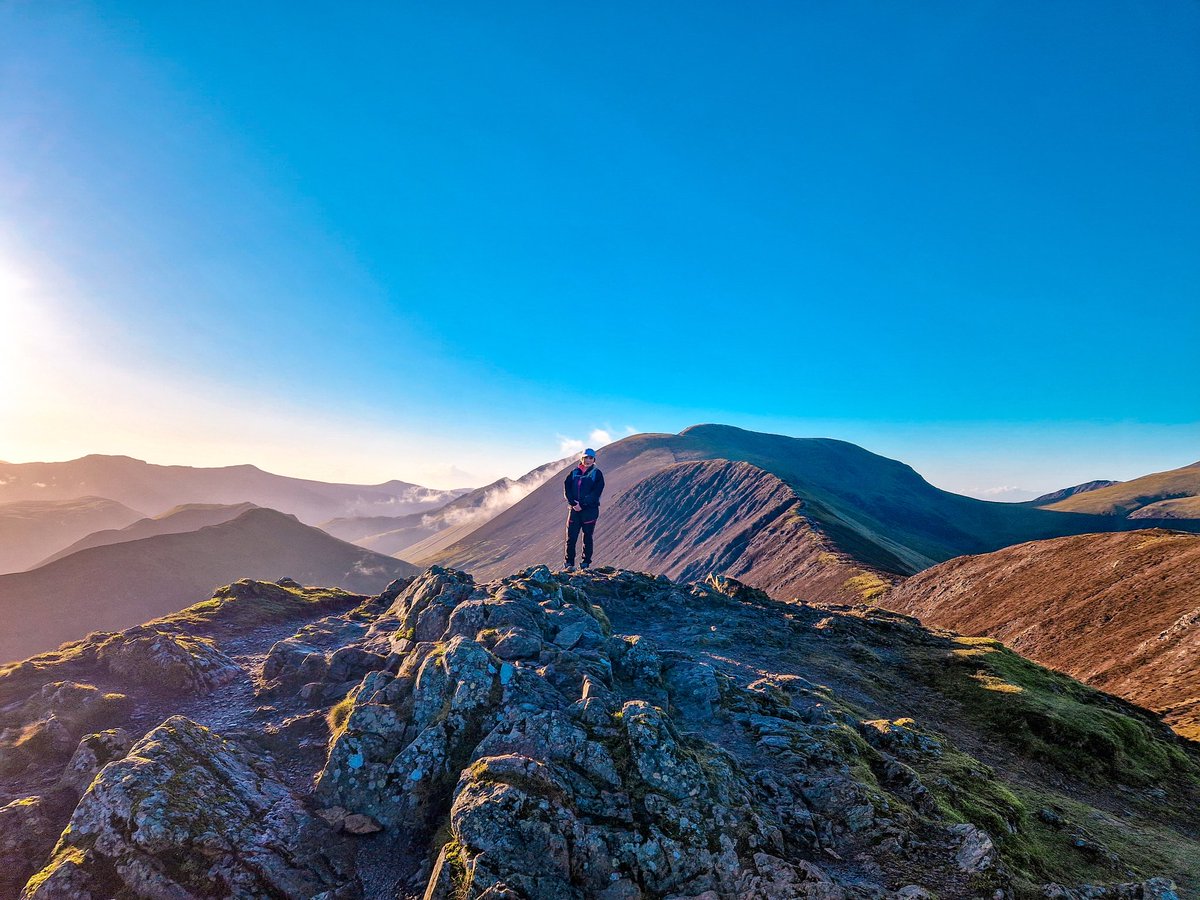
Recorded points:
27,342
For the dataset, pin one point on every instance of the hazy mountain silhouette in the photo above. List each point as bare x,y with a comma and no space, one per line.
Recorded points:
1118,611
30,530
120,585
430,531
189,517
156,489
875,517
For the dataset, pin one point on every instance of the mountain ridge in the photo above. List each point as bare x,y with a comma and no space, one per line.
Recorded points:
1127,497
32,529
177,520
118,585
878,512
156,488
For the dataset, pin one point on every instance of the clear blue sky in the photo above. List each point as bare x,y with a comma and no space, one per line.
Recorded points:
435,241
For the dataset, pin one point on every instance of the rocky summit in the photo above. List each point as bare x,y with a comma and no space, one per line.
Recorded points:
607,734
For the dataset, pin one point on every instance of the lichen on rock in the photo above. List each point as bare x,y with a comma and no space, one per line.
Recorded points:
188,814
169,659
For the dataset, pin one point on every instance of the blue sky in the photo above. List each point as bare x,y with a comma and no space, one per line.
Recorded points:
443,241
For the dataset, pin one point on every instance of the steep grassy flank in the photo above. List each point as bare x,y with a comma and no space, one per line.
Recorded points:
1057,720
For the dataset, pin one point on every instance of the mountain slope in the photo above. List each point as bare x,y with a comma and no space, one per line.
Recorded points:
1177,508
157,489
119,585
876,512
32,529
1127,497
1064,493
189,517
1118,611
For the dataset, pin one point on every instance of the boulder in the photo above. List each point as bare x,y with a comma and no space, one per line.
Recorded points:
188,814
48,725
291,662
93,753
168,659
974,849
27,835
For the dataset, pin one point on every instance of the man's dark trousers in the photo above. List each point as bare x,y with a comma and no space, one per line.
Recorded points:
575,524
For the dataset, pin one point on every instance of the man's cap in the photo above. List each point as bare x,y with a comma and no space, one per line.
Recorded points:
589,452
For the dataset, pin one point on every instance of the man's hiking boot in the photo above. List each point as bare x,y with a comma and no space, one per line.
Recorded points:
586,566
570,567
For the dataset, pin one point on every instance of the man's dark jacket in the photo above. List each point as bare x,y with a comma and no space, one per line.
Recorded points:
585,489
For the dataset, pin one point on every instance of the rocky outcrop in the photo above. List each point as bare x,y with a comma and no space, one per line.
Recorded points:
167,658
27,833
298,663
554,751
47,726
606,734
188,814
93,753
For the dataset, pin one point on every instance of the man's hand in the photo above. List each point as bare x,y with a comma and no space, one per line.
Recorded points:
576,507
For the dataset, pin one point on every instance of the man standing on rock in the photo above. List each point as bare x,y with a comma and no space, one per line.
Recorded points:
582,488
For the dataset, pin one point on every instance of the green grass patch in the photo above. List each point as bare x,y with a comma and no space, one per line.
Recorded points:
1060,721
250,603
867,585
1035,852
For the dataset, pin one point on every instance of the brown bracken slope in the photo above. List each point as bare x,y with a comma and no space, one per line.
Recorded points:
1118,611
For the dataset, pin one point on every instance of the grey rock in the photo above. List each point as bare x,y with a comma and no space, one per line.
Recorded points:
975,851
188,814
27,835
168,659
1151,889
292,661
93,753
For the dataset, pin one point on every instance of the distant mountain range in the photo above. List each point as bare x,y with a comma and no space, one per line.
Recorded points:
32,529
156,489
807,517
1149,497
121,584
395,534
189,517
810,518
1117,611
